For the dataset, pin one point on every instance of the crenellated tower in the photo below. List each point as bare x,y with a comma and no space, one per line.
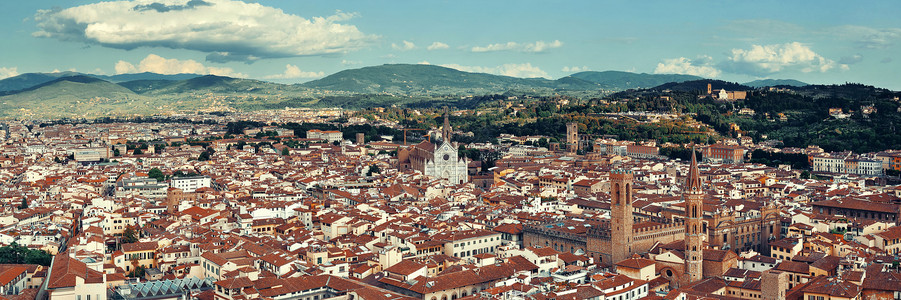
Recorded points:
694,229
621,215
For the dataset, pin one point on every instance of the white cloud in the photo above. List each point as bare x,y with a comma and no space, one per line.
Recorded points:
867,37
160,65
227,30
424,62
536,47
525,70
437,46
404,46
699,67
575,69
541,46
8,72
292,71
124,67
496,47
350,62
769,59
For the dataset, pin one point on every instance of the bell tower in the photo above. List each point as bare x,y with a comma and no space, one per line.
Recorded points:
621,215
446,129
694,214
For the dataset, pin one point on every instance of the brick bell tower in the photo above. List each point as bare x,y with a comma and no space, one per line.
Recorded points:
694,214
621,215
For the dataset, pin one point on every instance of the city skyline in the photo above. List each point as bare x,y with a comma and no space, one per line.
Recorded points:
292,42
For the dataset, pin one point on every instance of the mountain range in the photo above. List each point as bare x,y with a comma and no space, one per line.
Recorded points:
65,94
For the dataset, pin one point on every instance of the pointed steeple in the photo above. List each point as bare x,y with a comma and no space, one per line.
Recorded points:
694,175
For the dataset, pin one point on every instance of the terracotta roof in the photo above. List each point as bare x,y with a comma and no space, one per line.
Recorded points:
453,280
139,246
405,267
509,228
851,203
834,287
794,267
544,251
65,271
635,263
8,274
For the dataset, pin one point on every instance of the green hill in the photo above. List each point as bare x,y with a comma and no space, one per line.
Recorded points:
431,79
143,86
75,96
775,82
618,80
701,85
146,76
213,84
27,80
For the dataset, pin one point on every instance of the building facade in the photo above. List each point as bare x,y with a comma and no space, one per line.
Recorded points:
723,153
440,160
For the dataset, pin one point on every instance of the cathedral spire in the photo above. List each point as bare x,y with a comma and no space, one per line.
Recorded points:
694,175
694,225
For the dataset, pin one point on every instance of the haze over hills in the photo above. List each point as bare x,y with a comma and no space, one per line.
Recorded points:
775,82
619,80
145,76
28,80
54,94
75,96
431,79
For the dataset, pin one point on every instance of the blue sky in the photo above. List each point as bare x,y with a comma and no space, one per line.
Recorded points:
296,41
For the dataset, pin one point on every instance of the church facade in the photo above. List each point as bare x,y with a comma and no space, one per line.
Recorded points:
446,164
439,160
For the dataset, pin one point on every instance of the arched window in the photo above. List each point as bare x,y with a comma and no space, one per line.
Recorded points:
628,193
616,193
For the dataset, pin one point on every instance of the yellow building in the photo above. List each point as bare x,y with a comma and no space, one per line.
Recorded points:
140,254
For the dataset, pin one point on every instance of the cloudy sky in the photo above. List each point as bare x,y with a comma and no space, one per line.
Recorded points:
297,41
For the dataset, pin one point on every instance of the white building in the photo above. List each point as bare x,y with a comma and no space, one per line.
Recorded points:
469,243
828,164
446,164
190,184
329,135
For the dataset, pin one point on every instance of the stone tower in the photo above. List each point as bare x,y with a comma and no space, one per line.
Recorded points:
572,136
621,215
694,229
773,284
446,129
